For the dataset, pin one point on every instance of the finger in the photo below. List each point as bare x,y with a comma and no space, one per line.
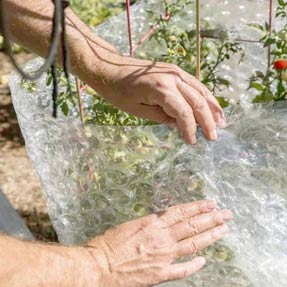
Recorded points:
214,106
199,224
194,244
183,270
195,83
201,110
177,107
182,212
153,113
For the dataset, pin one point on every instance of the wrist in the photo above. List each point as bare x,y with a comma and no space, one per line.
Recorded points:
68,266
59,266
86,268
99,261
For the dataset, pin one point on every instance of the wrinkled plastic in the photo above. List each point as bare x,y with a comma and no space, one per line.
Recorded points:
95,177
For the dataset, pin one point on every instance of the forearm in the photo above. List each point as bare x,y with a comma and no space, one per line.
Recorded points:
30,24
29,264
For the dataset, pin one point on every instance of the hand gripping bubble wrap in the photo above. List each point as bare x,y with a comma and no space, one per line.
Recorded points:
95,177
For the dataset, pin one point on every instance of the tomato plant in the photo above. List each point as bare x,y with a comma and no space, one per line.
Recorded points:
271,85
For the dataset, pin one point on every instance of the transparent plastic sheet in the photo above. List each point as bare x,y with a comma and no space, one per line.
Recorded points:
95,177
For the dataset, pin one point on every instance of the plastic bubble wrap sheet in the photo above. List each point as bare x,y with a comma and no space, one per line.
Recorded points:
96,177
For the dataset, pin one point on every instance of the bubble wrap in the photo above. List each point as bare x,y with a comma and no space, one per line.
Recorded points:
95,177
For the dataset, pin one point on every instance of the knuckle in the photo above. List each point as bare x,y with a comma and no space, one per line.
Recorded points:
167,120
194,248
177,71
181,213
185,112
200,104
198,207
156,243
206,92
161,83
214,219
193,226
149,221
185,273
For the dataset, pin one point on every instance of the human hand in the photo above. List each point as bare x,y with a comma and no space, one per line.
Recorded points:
140,253
163,93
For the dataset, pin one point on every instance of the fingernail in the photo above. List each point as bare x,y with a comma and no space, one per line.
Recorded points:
193,140
224,216
222,123
220,231
211,204
172,126
213,135
201,261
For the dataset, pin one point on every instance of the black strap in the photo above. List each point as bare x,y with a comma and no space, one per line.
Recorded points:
65,58
58,20
65,3
55,39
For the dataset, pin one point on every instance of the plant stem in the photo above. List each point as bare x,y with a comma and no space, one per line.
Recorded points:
128,4
80,101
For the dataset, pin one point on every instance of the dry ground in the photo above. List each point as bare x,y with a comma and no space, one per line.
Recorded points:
17,178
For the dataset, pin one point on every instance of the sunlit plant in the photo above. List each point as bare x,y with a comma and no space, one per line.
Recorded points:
271,85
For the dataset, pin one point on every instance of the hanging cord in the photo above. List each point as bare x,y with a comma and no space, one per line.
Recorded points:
128,5
55,89
65,50
65,59
52,54
58,21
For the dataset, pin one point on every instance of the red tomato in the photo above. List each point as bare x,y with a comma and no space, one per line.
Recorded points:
280,65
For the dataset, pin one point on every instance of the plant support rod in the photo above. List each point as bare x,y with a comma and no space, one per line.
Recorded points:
198,41
270,28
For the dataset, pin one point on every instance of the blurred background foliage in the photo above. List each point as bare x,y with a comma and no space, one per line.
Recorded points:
94,12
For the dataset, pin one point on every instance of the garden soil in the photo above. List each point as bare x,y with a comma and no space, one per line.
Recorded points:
18,181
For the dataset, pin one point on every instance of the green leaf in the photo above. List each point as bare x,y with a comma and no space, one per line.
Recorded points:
223,102
257,27
264,97
223,81
269,42
65,108
259,74
257,86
